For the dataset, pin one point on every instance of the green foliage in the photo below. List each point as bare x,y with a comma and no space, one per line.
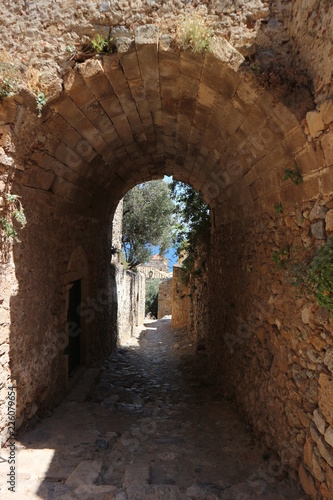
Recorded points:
40,102
194,33
101,44
192,223
19,215
294,174
13,211
310,273
147,221
6,88
8,227
321,275
278,208
11,198
152,297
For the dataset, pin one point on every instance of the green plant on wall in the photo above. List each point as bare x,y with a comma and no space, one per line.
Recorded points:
40,103
6,88
321,275
12,211
278,208
194,33
309,271
101,44
294,174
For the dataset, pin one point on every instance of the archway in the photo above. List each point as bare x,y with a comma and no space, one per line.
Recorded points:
133,116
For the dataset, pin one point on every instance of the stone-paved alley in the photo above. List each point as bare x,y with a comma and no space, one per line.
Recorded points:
150,429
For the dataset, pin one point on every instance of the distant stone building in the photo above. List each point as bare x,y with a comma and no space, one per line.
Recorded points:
156,268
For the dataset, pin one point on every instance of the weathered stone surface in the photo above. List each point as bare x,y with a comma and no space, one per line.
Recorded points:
326,111
329,436
318,212
136,476
86,473
329,221
327,145
307,482
154,492
326,397
319,421
165,298
318,230
315,123
325,451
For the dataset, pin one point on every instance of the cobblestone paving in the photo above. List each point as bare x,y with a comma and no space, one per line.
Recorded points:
153,428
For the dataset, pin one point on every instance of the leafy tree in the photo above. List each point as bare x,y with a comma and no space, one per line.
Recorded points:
152,297
192,221
147,221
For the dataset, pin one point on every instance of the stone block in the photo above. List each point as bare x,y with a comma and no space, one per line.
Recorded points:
154,492
318,230
307,482
326,181
329,221
136,475
326,111
325,451
319,421
315,123
325,396
77,89
329,436
86,473
327,145
318,212
308,452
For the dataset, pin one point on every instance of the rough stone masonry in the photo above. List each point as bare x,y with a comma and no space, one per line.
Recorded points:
229,122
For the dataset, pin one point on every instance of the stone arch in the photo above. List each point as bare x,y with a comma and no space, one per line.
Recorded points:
130,117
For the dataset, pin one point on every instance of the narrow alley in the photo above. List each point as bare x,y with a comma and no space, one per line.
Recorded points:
152,428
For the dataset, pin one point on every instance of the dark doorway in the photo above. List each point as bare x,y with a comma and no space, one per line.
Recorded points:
74,327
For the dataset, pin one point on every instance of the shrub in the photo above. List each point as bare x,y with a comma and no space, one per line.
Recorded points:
194,33
311,274
321,275
152,297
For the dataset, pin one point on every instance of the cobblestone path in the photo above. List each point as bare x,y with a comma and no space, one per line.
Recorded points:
153,428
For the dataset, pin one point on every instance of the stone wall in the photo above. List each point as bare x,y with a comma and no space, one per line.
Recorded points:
311,33
165,298
271,347
129,301
199,307
36,346
180,300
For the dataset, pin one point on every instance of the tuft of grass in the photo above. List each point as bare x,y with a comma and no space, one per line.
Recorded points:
101,44
193,32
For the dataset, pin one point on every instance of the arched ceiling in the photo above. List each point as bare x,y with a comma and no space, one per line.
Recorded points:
149,110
